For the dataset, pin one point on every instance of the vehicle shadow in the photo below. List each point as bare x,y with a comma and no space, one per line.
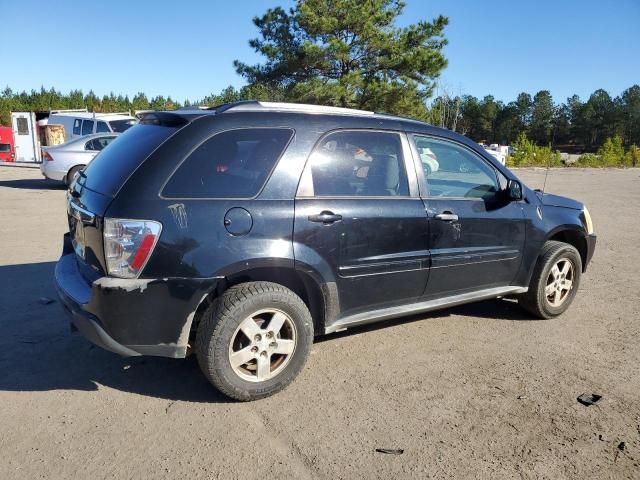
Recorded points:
34,184
39,353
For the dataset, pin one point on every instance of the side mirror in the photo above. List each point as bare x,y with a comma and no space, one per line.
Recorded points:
514,190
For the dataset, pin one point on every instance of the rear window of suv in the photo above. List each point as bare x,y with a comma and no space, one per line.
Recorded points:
231,164
110,169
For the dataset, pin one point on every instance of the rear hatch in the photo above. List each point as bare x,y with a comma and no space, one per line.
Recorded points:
95,188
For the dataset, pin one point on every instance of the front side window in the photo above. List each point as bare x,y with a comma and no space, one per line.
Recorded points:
102,127
231,164
357,164
87,127
454,171
76,126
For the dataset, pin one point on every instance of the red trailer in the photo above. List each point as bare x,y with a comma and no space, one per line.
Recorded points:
7,146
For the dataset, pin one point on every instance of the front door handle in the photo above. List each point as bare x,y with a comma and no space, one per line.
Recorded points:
326,217
447,217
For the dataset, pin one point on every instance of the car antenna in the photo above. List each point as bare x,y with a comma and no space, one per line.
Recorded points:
546,174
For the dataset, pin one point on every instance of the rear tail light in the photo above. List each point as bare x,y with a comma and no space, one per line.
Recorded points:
128,244
48,157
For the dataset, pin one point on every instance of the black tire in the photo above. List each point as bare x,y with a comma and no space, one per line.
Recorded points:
72,173
535,301
219,326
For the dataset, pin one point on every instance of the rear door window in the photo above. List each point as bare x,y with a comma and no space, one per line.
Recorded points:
231,164
102,127
76,126
87,127
357,164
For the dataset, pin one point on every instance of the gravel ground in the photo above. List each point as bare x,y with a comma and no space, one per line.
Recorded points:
479,391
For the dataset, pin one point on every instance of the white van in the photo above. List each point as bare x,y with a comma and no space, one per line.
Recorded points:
80,123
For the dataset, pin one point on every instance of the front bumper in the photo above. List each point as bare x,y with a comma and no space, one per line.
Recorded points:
130,317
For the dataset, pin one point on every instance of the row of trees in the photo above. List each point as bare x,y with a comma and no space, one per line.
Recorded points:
574,124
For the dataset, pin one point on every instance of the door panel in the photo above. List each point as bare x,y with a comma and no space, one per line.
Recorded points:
24,136
482,249
377,253
359,222
476,235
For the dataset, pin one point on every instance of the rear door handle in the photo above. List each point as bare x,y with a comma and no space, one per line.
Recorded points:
447,217
325,217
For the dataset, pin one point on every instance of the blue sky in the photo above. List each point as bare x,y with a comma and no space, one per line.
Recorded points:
186,49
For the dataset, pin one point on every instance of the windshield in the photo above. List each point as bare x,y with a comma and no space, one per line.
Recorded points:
120,126
110,169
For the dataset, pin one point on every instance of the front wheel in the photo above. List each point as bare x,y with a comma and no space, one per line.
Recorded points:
254,340
554,282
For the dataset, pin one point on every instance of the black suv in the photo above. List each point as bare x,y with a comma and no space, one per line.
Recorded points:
242,231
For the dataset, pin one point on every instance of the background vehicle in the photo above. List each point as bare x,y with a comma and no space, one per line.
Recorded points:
242,231
7,150
25,136
78,124
62,162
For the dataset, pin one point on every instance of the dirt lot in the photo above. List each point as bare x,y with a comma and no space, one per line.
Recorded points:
480,391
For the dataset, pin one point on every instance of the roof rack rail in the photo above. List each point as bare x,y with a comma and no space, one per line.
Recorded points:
232,105
104,114
195,107
288,107
69,110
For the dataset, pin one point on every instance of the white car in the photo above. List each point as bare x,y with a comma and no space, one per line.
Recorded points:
429,160
493,149
78,124
62,162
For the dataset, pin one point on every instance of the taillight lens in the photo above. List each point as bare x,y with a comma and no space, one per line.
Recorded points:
128,244
48,157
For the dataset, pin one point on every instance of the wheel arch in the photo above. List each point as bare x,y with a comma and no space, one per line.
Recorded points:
66,177
575,237
297,281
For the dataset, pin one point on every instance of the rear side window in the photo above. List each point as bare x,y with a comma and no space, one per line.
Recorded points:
76,126
108,171
5,147
102,127
87,127
231,164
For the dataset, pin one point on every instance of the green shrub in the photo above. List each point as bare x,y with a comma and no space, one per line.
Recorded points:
528,154
589,160
612,153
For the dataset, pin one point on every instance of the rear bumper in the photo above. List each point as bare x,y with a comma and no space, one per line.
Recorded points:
130,317
51,173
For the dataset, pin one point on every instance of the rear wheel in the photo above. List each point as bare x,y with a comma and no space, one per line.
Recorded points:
254,340
555,281
72,174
